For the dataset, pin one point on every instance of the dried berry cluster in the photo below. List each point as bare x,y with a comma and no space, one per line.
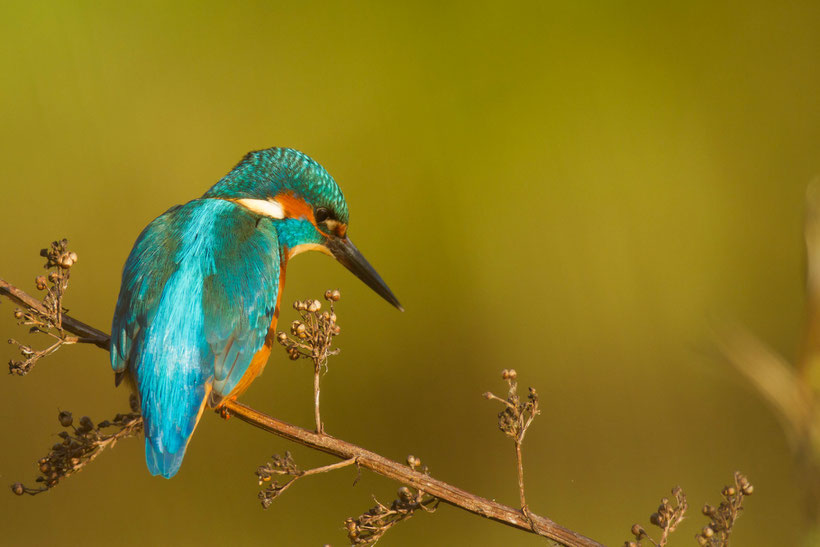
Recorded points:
667,518
80,445
518,414
60,260
715,534
313,333
369,527
312,339
282,466
514,421
723,517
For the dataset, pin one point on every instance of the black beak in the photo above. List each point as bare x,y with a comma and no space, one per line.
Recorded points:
347,253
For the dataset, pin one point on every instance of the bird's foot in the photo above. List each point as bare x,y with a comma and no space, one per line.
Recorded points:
224,412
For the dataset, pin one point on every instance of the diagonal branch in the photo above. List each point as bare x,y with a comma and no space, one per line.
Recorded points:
85,332
380,465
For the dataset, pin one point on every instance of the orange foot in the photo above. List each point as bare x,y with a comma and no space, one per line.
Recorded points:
224,412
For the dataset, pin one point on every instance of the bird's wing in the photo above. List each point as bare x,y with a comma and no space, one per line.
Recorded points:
198,293
240,300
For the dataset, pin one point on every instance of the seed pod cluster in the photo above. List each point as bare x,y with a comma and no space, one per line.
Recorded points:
369,527
78,445
312,333
722,518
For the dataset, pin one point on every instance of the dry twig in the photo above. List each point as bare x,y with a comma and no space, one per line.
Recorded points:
514,421
80,445
285,466
313,339
47,318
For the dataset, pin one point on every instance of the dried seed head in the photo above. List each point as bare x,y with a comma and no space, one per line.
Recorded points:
335,295
708,510
282,338
638,531
314,306
65,418
329,295
18,489
729,491
405,494
748,490
86,423
40,281
707,532
655,519
296,327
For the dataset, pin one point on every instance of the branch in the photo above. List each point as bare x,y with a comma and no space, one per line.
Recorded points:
85,332
399,472
323,442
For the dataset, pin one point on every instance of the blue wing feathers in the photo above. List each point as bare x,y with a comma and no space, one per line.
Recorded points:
198,293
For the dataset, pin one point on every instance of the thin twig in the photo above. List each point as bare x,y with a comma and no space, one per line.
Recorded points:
520,476
317,415
369,460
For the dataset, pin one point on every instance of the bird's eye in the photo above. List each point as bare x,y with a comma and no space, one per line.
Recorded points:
321,214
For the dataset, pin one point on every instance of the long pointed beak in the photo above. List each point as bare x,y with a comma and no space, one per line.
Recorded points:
347,253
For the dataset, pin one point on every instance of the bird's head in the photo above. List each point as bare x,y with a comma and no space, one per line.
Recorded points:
306,204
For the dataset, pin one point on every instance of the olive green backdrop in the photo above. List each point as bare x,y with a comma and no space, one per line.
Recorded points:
582,191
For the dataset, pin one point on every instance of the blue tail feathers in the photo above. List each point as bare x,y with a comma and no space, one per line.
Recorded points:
163,463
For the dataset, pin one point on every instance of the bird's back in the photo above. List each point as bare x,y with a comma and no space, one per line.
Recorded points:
198,297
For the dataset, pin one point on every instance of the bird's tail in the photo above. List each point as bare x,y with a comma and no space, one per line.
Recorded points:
163,463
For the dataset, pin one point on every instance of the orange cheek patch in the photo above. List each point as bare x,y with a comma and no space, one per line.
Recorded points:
295,207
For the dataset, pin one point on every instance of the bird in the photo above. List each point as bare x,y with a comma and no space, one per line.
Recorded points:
199,299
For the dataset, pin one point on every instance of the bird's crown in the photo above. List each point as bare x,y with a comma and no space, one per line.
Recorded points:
283,173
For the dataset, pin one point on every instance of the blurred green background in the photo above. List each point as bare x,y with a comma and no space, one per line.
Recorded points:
581,191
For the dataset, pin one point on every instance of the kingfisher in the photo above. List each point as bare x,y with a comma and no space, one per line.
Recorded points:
197,310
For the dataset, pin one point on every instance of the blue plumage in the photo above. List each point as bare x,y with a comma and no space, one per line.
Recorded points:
199,295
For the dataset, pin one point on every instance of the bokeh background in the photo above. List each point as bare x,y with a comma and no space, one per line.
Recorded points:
585,192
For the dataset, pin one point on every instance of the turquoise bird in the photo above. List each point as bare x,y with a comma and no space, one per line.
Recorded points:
200,293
